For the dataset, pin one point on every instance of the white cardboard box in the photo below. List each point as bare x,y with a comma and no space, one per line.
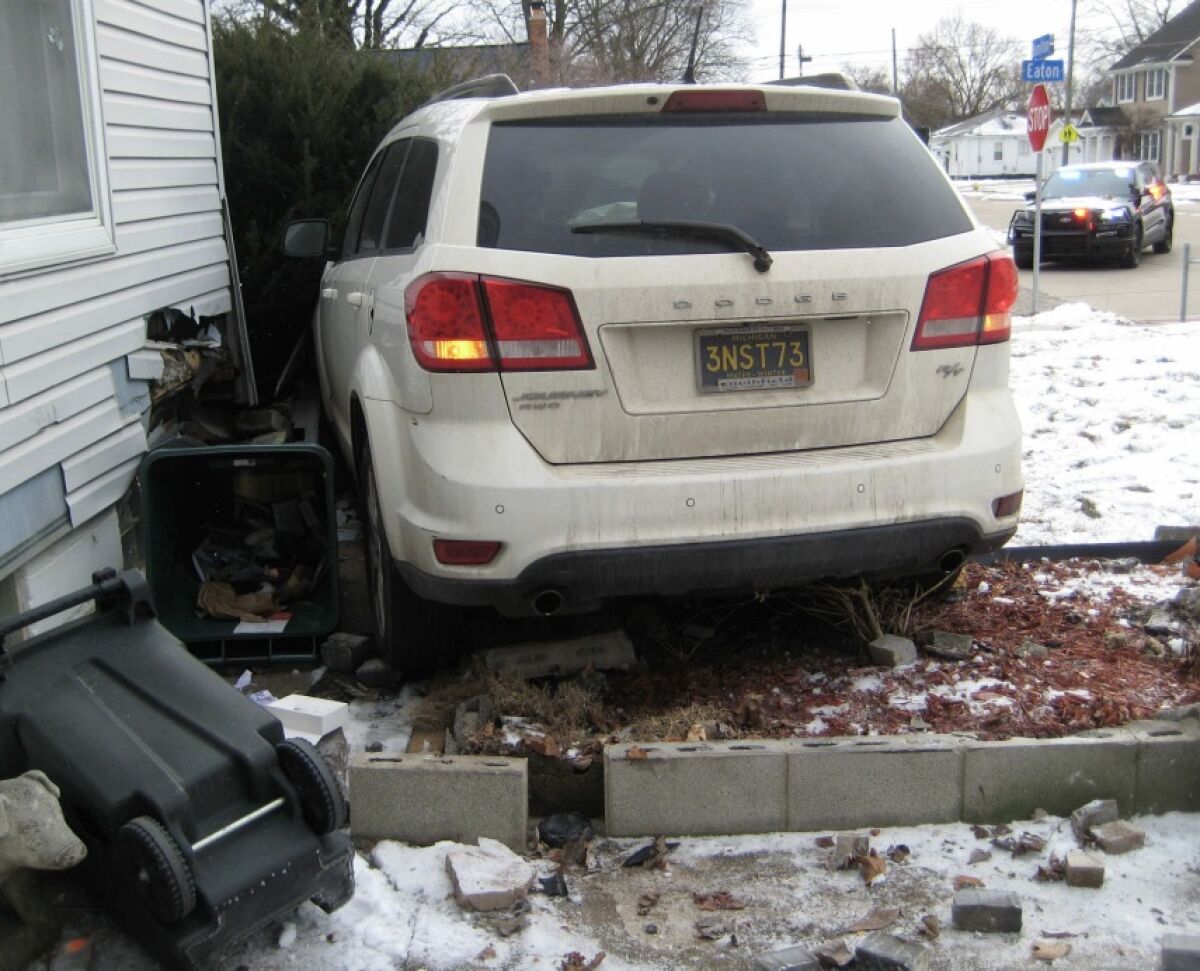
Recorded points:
310,717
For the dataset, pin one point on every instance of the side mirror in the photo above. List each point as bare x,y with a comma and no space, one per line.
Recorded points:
1030,196
306,238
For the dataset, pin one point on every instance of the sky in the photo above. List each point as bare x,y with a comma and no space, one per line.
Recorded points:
860,31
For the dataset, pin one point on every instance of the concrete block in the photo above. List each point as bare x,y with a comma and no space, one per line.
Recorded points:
789,959
555,658
696,789
953,646
1181,952
856,782
344,652
848,846
1168,766
489,876
986,911
892,651
1008,780
314,717
421,799
1095,813
1119,837
886,952
1084,870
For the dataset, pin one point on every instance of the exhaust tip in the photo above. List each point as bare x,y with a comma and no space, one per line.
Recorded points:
547,602
951,560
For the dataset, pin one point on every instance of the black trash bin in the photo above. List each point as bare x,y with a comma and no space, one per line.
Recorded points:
197,500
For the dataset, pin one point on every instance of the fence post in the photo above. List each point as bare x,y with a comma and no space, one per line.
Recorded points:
1187,264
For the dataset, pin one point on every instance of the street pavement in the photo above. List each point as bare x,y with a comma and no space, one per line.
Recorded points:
1149,293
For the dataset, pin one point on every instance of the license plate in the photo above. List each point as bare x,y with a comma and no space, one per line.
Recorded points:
753,359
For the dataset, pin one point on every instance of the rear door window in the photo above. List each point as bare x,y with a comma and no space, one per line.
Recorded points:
790,182
410,206
370,237
359,206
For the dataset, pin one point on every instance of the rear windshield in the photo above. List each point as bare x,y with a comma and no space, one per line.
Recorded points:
1090,182
789,182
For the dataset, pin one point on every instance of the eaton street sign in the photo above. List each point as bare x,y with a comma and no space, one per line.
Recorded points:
1040,71
1043,46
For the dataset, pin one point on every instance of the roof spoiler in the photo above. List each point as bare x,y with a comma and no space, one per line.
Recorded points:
488,86
834,80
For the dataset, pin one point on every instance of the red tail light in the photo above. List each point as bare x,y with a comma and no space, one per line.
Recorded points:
465,552
463,322
968,304
716,101
536,328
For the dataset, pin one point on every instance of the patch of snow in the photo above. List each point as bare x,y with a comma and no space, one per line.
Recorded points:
867,683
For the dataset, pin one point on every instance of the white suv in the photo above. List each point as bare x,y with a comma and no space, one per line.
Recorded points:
582,344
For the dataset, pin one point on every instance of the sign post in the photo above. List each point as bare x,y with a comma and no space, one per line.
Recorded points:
1037,126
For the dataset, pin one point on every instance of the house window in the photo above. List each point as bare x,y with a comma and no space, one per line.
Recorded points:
1148,146
53,194
998,151
1156,84
1126,87
1022,148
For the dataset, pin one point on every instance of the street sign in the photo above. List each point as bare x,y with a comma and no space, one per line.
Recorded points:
1042,71
1069,134
1037,117
1043,46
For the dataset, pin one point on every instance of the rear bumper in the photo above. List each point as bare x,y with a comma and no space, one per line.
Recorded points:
582,579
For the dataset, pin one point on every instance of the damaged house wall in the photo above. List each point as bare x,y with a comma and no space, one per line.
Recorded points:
125,89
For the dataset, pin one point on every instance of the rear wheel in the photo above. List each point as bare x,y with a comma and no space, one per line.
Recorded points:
320,795
152,861
412,634
1133,255
1164,244
1023,258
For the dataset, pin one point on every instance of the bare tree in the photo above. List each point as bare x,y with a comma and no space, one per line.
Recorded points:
959,70
1115,27
363,23
868,78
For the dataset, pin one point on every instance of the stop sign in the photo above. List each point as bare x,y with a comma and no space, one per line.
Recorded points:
1037,117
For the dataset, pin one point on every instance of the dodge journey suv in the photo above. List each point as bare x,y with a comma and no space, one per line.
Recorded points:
656,339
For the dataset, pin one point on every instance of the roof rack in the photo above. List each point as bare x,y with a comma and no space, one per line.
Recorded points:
488,86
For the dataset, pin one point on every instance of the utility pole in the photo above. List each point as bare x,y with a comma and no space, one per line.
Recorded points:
895,73
1070,72
802,59
783,40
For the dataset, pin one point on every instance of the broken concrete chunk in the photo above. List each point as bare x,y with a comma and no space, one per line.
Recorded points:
846,848
374,673
489,876
835,955
1181,952
789,959
1159,623
886,952
892,651
955,647
1095,813
1084,870
1033,649
987,911
557,658
343,652
1118,837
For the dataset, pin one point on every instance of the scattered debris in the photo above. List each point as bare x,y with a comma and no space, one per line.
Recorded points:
986,911
1050,950
1118,837
1083,870
375,673
558,829
847,848
872,866
1053,872
651,855
796,958
1095,813
930,926
342,652
577,962
898,853
836,955
979,855
718,900
646,902
878,919
1022,844
749,712
886,952
953,647
892,651
554,885
506,925
489,876
964,882
712,927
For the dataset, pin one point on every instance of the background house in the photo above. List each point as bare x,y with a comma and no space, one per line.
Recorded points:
994,145
1154,87
111,206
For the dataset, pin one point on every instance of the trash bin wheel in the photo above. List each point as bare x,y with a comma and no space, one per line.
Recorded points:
320,796
152,860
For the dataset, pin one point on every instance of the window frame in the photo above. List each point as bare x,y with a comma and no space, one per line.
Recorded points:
414,142
1152,138
1159,75
42,242
1120,82
998,151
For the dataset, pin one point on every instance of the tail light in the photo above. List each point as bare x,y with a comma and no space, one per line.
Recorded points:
968,304
681,101
465,552
464,322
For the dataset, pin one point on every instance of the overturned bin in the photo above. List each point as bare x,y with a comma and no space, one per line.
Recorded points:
240,543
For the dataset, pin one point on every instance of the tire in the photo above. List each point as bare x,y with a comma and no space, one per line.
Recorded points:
151,860
411,634
1133,256
1023,259
1164,245
319,792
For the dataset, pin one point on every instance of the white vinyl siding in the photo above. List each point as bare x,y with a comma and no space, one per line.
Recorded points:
63,327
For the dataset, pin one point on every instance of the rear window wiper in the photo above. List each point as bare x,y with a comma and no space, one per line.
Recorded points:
690,229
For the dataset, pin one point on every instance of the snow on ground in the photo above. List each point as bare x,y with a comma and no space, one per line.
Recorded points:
1109,411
